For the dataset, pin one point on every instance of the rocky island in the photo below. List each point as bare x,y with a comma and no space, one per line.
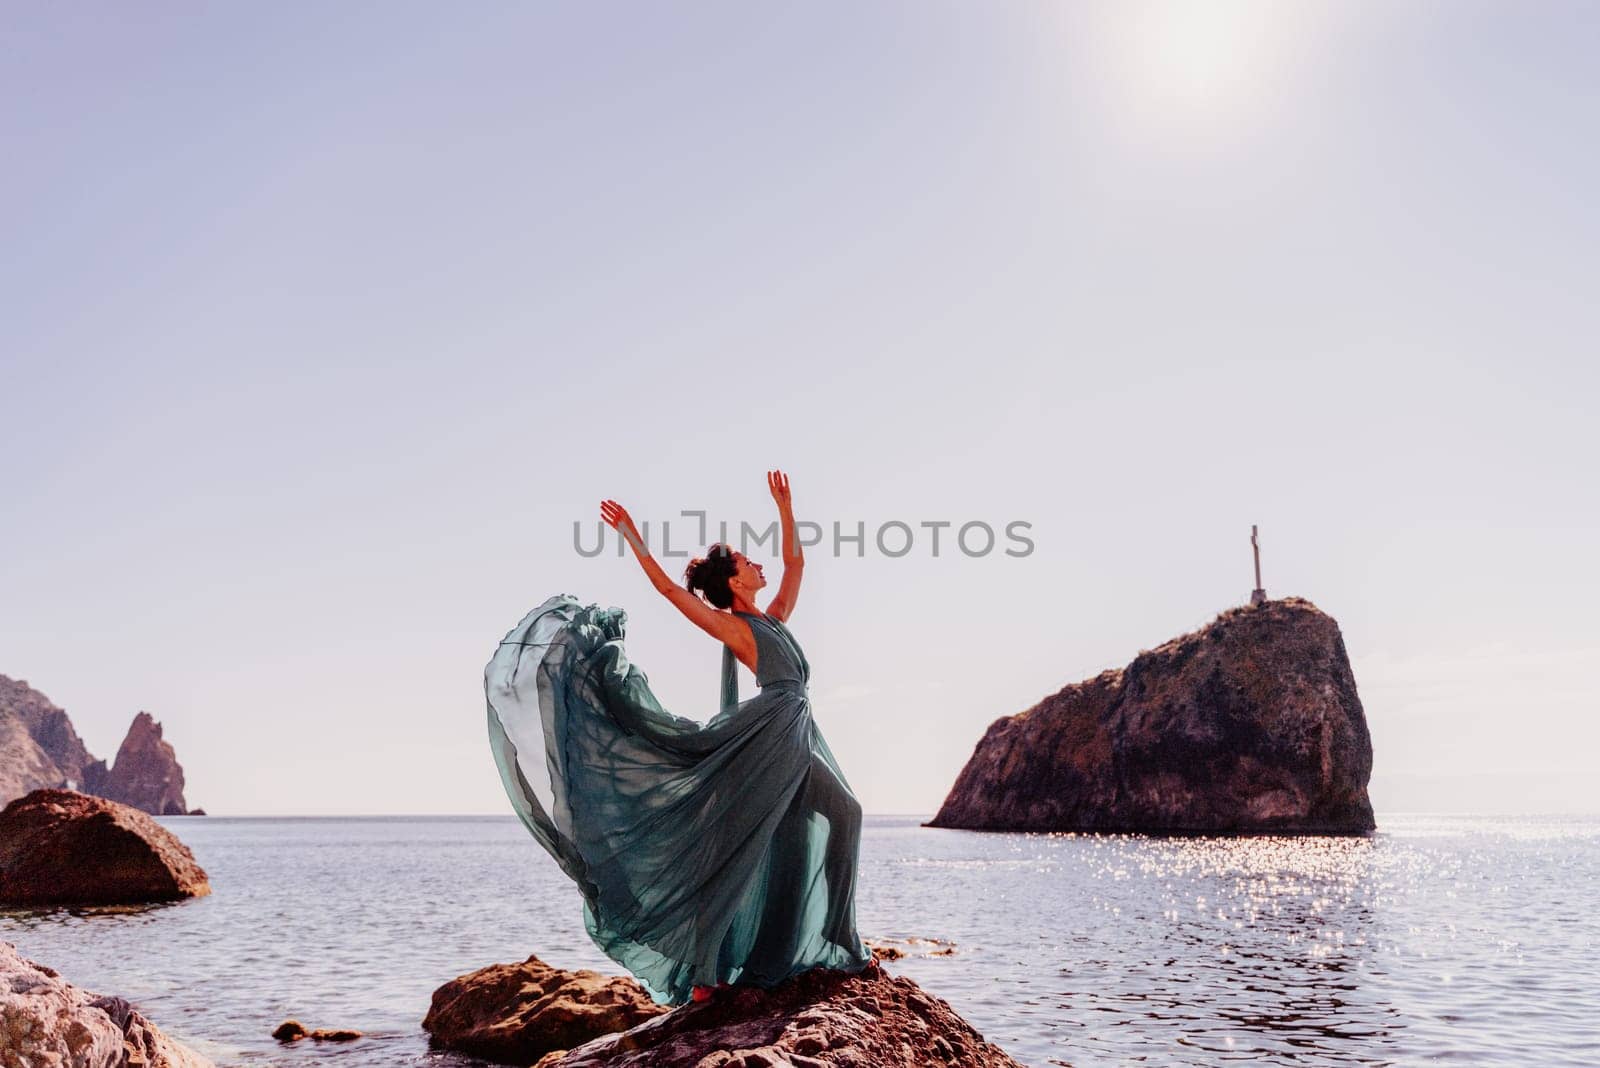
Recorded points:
1251,724
40,749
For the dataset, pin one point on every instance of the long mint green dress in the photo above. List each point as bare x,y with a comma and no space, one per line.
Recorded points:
716,852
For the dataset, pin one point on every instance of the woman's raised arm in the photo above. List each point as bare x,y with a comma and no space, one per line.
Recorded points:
728,629
794,562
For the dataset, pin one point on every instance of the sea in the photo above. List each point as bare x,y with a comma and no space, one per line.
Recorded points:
1438,940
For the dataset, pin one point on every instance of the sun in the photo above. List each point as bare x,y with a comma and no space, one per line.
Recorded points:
1203,63
1206,49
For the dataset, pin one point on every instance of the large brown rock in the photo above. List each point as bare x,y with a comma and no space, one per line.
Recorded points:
45,1020
63,847
1248,725
821,1019
516,1013
146,773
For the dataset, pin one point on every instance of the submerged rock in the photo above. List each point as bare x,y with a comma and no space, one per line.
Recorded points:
821,1019
61,847
882,950
898,948
516,1013
49,1021
1248,725
294,1031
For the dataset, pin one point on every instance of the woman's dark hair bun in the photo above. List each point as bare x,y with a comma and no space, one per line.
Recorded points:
708,575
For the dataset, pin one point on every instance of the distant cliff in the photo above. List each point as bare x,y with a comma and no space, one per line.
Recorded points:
40,748
1250,724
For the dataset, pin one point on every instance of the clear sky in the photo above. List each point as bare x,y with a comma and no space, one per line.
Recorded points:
323,324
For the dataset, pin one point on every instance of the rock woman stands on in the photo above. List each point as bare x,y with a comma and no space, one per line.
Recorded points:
713,853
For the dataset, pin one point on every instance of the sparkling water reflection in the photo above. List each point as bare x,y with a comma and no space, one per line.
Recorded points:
1441,939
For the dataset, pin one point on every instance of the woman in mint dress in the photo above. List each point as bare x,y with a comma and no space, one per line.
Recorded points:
707,853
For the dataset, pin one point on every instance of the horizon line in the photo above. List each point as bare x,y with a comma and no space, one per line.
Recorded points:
1595,813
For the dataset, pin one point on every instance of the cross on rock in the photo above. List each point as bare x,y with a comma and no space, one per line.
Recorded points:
1257,595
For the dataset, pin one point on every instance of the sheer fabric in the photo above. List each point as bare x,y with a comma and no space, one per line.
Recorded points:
713,852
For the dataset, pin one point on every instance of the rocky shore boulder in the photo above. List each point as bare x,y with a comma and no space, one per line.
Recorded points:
62,847
1248,725
516,1013
821,1019
45,1020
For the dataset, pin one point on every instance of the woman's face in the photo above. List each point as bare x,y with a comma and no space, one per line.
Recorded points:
747,575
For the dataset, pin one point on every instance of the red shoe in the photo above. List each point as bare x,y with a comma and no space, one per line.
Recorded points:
701,993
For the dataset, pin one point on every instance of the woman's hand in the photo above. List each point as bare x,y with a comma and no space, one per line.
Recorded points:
793,560
619,520
778,483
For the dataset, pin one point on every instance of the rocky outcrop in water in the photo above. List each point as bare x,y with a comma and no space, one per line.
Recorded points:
295,1031
901,948
516,1013
821,1019
40,749
62,847
146,773
1248,725
45,1020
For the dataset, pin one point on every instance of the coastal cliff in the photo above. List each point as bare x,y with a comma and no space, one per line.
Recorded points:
1251,724
38,745
39,748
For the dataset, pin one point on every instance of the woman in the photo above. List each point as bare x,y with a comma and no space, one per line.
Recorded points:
707,854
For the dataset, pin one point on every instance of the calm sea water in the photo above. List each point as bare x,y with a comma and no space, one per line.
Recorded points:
1463,940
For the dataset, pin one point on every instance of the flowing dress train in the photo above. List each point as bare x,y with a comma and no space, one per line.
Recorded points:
716,852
